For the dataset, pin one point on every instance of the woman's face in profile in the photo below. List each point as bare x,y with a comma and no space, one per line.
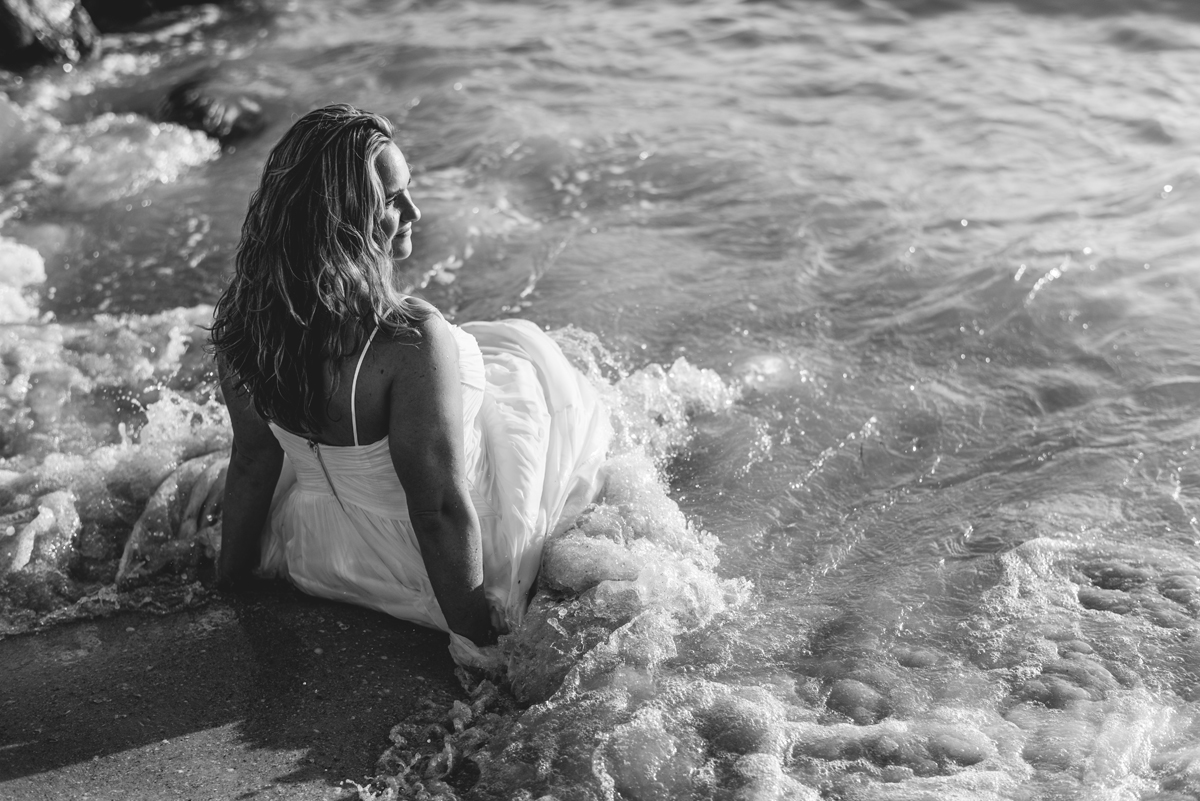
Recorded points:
399,210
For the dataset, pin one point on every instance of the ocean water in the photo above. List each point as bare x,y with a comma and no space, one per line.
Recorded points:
895,305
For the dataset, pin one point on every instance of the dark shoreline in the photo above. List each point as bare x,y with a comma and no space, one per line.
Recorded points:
266,694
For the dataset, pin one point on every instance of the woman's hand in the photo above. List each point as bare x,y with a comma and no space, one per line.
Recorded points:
499,624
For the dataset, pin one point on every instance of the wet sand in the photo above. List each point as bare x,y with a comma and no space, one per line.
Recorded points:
267,694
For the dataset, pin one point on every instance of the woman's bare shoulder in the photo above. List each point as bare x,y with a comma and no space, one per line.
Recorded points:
430,345
423,380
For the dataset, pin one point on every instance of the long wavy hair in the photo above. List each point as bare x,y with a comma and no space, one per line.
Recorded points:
313,272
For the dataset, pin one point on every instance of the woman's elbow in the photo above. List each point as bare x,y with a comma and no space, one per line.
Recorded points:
440,522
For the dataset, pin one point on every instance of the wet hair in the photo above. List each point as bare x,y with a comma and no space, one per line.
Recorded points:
313,272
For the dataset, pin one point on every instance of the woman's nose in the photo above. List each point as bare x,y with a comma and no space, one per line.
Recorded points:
409,211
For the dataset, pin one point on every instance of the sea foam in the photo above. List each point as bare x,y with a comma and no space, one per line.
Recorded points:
597,697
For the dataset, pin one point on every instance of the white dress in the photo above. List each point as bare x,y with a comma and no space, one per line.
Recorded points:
535,436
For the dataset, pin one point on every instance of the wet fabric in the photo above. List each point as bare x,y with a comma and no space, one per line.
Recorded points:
535,436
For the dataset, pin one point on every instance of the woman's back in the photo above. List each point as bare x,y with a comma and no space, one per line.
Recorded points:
358,409
362,472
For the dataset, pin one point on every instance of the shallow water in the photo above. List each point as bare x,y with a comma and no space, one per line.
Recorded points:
931,268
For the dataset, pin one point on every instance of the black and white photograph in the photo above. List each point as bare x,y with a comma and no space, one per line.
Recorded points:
600,400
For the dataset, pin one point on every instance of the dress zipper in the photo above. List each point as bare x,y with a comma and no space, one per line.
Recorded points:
316,448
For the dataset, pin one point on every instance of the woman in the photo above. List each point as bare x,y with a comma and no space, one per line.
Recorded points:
382,456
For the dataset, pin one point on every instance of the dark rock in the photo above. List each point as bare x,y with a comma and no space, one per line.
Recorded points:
220,112
123,15
34,32
115,15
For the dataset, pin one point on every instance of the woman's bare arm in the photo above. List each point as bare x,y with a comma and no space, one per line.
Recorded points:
426,441
250,483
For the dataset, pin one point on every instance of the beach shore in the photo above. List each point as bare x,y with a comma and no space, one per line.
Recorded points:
267,694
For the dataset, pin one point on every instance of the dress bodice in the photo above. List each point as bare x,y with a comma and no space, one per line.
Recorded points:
363,475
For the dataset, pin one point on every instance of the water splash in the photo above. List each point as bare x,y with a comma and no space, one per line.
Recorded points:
596,698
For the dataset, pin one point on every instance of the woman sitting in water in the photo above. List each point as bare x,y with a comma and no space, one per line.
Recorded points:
382,456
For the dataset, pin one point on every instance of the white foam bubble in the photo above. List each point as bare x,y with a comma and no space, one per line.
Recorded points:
651,407
95,416
652,757
20,266
115,156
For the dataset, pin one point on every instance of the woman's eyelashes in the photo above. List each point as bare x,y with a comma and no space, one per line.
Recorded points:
394,198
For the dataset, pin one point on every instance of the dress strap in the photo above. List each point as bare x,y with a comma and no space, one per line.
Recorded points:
354,384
